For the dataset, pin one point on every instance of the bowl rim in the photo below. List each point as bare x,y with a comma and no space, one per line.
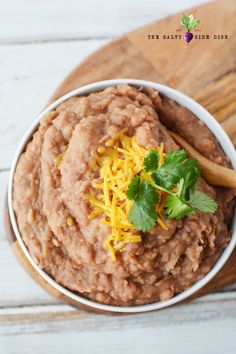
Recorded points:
202,114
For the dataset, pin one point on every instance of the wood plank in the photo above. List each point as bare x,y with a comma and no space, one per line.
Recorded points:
26,84
27,21
210,337
205,326
17,288
3,183
187,313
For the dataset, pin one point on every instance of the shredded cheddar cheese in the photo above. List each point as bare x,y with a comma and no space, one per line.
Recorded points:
58,160
119,161
70,221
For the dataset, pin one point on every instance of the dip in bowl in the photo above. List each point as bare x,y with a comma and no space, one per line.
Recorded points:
99,197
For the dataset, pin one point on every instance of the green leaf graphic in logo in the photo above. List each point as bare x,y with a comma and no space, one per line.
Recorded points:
189,22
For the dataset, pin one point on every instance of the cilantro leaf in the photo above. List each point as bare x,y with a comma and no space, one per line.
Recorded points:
191,176
169,173
133,189
175,208
175,157
151,161
175,166
142,216
186,199
143,213
202,202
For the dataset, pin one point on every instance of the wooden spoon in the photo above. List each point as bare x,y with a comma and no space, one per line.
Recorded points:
213,173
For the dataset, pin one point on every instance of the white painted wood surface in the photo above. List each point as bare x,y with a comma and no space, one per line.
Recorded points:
40,41
46,20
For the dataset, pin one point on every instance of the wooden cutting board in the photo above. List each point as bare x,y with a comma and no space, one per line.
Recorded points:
204,70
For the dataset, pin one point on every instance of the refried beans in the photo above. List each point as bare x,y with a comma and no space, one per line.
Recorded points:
53,213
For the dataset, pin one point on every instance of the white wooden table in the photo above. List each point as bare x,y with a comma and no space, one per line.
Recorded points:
40,41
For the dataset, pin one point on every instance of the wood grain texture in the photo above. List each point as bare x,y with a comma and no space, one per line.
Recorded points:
206,325
179,315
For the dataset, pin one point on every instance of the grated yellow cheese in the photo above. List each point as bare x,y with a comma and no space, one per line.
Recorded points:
118,161
162,154
162,223
58,160
70,221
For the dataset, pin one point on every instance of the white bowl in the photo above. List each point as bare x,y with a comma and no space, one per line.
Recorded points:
200,113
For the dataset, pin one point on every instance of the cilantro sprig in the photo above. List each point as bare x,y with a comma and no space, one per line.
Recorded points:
177,177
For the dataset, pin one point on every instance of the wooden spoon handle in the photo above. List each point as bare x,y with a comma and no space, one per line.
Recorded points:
213,173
